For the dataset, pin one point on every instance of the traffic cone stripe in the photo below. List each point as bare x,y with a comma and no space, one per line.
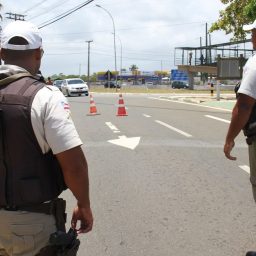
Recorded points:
121,108
93,109
121,101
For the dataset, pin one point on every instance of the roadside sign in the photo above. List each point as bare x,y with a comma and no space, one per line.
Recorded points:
108,75
229,68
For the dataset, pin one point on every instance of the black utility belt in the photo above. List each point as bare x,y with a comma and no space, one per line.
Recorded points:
250,139
46,208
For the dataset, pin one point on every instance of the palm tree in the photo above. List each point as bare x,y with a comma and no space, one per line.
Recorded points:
133,68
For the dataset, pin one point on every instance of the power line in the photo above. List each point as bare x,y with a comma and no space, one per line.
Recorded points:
34,6
131,28
105,48
45,11
63,15
150,53
104,54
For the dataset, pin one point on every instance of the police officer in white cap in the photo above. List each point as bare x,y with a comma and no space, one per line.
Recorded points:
40,151
244,114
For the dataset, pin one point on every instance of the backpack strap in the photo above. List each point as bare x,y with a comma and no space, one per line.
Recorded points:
13,78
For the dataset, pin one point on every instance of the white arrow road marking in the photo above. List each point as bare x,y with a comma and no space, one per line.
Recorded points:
245,168
112,127
146,115
173,128
123,141
219,119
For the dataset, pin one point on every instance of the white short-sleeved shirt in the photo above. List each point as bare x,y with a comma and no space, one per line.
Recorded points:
51,121
248,83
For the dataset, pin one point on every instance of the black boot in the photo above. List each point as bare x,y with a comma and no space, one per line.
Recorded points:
251,253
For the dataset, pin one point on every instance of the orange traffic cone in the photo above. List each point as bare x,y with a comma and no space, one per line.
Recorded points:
121,108
93,109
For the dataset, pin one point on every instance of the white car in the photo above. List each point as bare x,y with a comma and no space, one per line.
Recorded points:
74,86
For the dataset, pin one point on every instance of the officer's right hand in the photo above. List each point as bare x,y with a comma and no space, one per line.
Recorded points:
228,148
84,215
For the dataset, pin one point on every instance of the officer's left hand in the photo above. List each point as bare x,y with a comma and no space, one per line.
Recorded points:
228,148
84,214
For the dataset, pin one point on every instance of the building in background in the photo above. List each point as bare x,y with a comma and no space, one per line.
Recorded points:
136,77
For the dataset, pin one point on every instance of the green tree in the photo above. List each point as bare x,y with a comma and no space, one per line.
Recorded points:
133,67
236,14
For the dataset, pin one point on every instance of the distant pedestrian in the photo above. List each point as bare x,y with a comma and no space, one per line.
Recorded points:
202,59
49,81
190,58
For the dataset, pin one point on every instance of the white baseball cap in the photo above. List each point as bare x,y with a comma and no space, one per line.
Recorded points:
250,26
23,29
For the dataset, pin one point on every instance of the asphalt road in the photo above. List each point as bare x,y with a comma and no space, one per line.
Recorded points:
172,194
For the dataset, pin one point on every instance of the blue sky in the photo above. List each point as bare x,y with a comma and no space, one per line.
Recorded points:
148,31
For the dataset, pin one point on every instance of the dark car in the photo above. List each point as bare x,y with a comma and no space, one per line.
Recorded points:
111,84
180,85
58,83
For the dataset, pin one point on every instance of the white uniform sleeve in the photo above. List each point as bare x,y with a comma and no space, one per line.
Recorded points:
51,121
248,83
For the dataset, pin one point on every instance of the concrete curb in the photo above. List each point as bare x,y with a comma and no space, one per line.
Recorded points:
225,102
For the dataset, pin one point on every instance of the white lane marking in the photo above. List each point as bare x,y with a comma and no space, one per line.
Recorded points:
217,118
245,168
188,103
146,115
123,141
112,127
173,128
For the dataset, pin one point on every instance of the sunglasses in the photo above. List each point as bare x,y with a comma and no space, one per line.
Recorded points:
42,52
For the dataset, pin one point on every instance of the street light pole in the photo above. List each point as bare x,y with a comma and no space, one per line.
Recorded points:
121,57
88,67
114,33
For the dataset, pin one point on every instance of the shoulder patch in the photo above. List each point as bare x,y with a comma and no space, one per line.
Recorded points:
65,105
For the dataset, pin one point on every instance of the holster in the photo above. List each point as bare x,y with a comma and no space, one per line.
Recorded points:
249,140
56,207
58,210
53,250
61,243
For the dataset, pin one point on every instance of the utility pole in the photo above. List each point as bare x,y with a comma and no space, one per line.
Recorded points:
210,51
88,70
79,70
15,16
201,46
206,43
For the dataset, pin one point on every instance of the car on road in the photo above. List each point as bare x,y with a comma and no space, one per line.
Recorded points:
112,84
74,86
57,83
179,85
149,83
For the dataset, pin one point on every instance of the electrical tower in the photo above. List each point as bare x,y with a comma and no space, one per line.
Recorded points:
15,16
